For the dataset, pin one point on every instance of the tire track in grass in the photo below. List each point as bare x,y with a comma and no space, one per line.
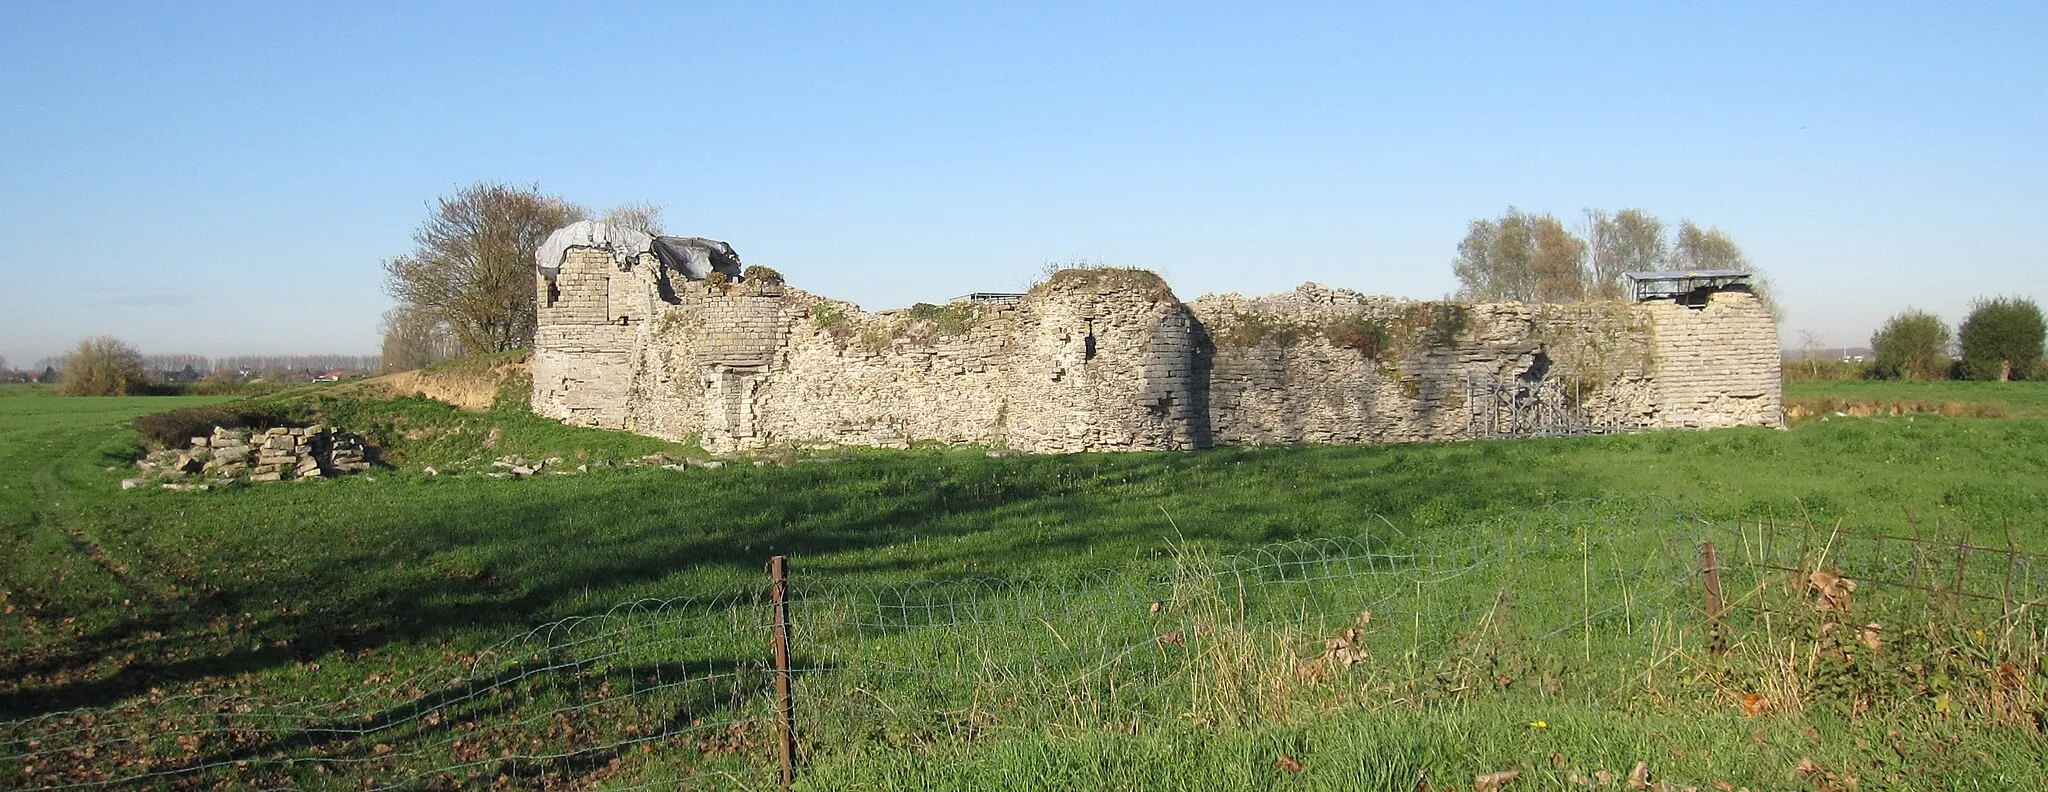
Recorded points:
52,450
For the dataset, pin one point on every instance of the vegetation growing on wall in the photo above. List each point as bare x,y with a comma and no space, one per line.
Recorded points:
1370,335
878,337
762,275
951,319
669,322
830,318
1436,325
1250,329
1107,279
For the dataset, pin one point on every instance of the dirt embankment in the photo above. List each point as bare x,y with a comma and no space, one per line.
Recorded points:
1799,409
471,384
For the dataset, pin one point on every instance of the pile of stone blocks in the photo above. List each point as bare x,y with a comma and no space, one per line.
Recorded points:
275,454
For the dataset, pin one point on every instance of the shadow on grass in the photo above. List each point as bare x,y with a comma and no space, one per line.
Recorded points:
366,566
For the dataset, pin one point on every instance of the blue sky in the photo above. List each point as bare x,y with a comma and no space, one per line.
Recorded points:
225,179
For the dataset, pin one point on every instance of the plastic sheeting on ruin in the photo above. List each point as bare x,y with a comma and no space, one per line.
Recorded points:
695,257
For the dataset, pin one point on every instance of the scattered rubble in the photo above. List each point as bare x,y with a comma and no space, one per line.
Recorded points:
276,454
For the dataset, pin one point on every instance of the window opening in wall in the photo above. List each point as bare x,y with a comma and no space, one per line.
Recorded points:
1088,342
1160,408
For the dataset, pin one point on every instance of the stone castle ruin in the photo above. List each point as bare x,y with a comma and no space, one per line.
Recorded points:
668,336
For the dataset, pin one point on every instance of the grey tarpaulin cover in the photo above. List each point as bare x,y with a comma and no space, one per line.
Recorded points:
697,257
626,244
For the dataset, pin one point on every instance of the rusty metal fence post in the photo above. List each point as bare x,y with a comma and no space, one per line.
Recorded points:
1716,602
778,576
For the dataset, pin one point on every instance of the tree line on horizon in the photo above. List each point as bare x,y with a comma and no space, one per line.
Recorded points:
1526,257
108,366
467,286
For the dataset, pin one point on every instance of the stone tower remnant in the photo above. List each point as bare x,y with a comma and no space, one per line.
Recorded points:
636,334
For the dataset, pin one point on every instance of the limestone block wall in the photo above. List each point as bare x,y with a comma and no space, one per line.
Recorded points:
581,292
887,380
1717,366
1103,360
1332,366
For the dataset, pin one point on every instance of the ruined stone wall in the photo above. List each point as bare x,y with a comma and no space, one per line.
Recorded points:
1101,360
1717,366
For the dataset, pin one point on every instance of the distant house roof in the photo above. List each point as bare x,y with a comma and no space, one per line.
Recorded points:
1674,284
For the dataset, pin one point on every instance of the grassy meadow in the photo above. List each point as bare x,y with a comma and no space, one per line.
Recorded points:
302,591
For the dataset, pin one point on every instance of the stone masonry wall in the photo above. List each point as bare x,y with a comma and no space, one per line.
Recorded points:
1718,366
1104,360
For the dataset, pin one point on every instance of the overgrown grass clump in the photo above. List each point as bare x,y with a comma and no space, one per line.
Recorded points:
951,319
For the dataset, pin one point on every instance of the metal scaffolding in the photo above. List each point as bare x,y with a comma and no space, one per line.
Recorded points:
1521,406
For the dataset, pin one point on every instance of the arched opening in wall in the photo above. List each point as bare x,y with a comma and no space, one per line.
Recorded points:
554,292
1088,342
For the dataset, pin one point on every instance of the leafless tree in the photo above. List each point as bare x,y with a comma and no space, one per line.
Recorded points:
472,263
103,366
638,216
414,338
1811,350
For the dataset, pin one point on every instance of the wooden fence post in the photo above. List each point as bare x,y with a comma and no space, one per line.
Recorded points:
1716,603
778,576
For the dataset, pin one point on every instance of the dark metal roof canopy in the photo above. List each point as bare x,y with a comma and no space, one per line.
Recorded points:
990,298
1689,287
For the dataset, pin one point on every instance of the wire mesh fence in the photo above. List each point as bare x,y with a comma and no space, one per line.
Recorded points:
1582,601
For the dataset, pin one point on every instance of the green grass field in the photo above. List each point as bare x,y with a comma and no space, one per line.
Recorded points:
301,591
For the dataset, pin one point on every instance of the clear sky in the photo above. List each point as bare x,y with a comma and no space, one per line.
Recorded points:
226,179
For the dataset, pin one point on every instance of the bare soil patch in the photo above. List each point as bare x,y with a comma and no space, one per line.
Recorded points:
469,387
